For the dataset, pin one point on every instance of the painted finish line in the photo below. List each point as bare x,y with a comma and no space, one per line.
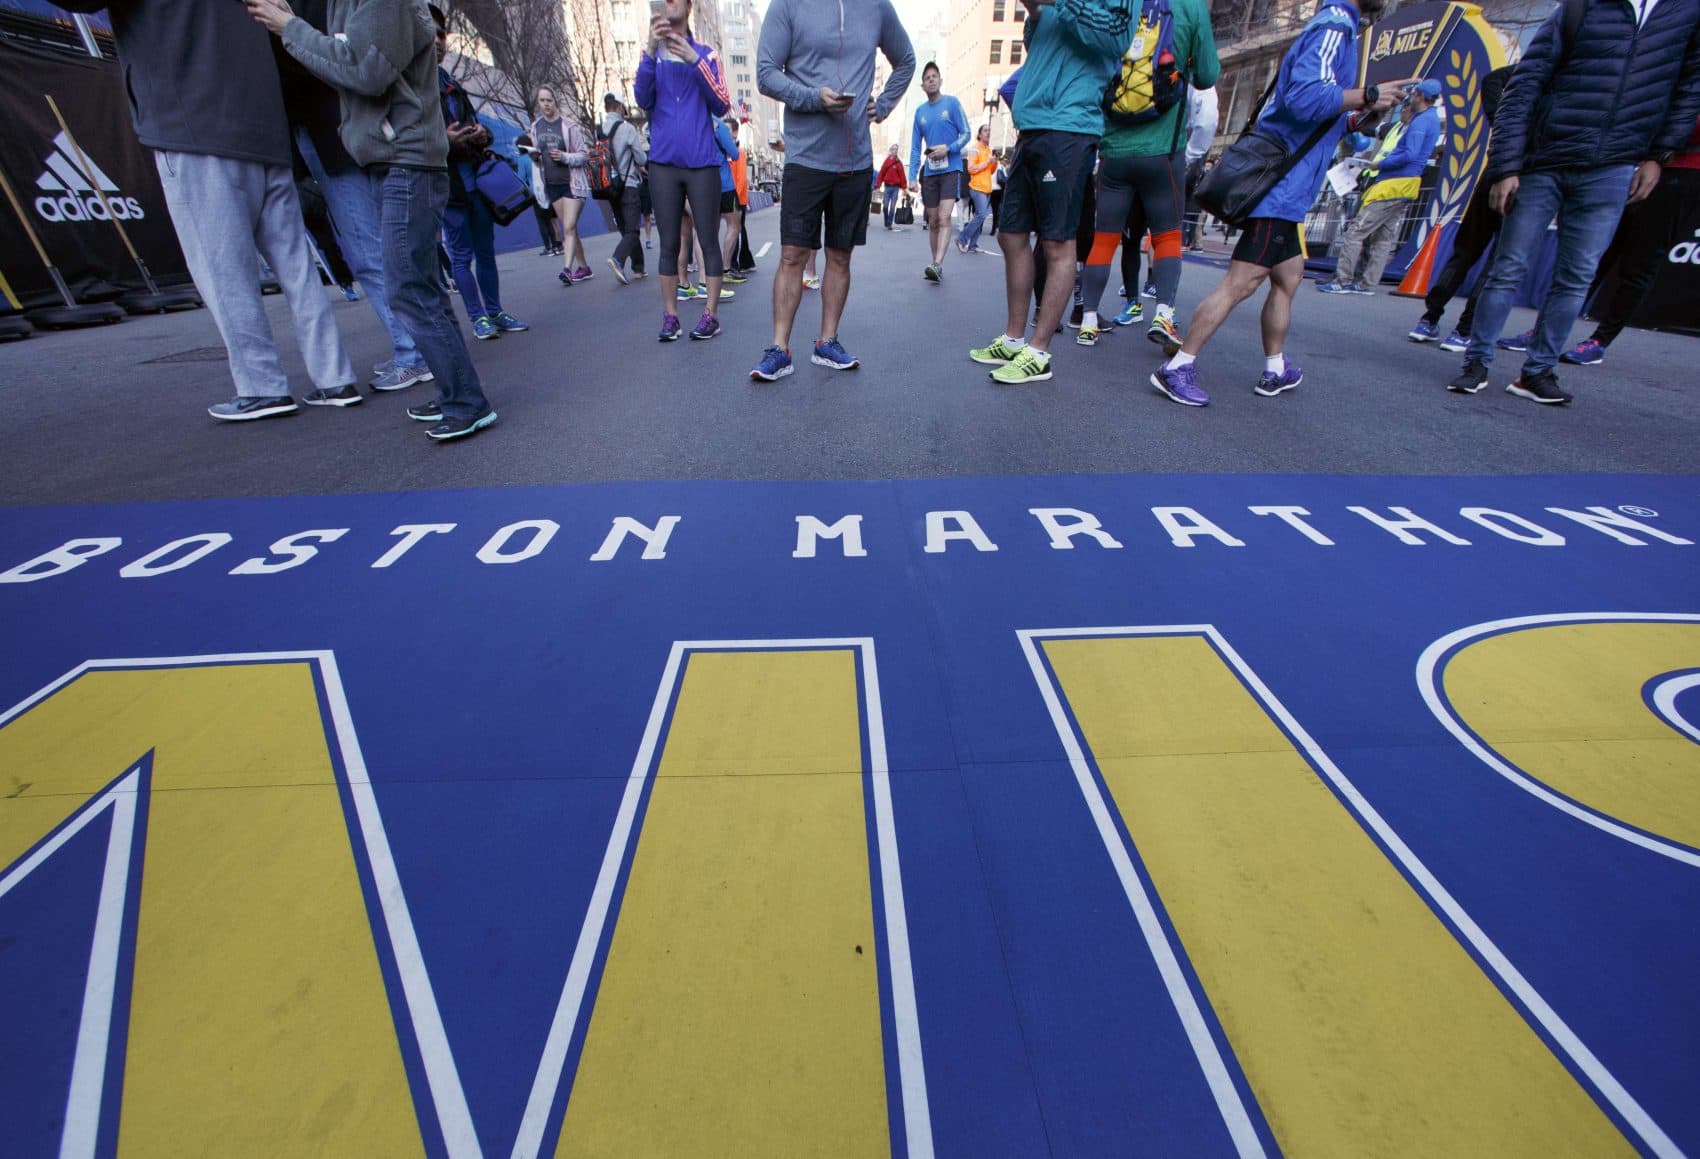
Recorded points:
997,816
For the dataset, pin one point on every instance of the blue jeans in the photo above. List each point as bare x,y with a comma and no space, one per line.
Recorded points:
982,202
1587,203
469,235
411,204
891,192
354,213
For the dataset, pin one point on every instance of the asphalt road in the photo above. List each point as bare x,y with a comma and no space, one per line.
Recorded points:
117,414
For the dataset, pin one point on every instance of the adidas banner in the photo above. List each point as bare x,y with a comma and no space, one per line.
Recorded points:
69,188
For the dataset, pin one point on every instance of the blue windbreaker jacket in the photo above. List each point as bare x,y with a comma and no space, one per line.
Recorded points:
1315,73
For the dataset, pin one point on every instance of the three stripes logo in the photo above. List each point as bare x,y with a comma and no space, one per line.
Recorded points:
71,190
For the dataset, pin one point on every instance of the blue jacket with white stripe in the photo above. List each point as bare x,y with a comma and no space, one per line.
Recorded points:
1320,66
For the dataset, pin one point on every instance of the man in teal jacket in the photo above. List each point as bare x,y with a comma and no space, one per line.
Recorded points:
1072,50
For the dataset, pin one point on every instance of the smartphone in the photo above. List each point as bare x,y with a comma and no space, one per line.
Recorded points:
851,97
656,10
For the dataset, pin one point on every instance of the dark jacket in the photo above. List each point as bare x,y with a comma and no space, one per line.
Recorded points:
1619,95
200,77
309,102
464,157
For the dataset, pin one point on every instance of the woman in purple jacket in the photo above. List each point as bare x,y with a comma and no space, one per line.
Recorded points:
679,85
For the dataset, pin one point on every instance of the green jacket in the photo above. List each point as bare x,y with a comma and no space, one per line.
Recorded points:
1195,48
1072,50
381,57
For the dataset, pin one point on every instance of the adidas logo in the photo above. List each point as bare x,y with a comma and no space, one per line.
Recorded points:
70,190
1049,176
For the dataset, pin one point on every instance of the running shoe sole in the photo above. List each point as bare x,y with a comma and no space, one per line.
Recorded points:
1163,390
282,408
701,337
1170,343
352,400
831,365
1415,337
618,272
1086,337
1280,389
1517,389
762,376
1476,388
430,418
1043,376
478,425
1454,347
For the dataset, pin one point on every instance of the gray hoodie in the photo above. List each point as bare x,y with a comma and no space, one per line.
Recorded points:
381,57
808,45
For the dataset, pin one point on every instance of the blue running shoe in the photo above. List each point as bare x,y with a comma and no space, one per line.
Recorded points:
1585,353
775,364
829,353
507,323
1424,331
669,328
1456,342
1272,384
1334,287
1519,342
1131,314
1181,384
484,328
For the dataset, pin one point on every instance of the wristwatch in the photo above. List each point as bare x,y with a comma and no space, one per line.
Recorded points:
1662,160
1372,93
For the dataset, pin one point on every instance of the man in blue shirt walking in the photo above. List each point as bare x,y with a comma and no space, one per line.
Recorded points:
941,127
1309,94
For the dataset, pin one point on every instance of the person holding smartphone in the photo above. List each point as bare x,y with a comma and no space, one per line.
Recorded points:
679,84
817,57
940,134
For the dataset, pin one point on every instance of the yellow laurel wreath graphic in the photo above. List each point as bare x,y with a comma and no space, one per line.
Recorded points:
1466,141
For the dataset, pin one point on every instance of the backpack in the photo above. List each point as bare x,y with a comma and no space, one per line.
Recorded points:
1149,82
605,183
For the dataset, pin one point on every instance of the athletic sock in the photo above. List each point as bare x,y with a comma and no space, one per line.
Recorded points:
1166,312
1275,364
1089,318
1181,358
1015,343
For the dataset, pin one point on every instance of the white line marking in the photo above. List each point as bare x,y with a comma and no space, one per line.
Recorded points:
1664,700
94,1029
917,1124
1228,1102
765,246
454,1117
1428,676
1652,1135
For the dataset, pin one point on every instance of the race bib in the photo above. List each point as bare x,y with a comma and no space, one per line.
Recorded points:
938,166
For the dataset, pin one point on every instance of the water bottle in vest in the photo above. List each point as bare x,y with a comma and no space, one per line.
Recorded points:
1149,82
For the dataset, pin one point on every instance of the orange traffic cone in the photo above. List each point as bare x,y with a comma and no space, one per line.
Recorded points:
1421,270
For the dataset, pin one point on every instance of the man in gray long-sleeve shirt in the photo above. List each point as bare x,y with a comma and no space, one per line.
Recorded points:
817,56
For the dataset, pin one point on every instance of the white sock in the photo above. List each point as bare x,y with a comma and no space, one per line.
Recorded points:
1275,363
1089,318
1166,312
1017,343
1181,358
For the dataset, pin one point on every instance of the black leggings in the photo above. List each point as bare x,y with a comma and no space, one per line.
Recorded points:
669,188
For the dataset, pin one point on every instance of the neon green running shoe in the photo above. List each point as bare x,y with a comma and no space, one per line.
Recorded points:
1028,366
999,353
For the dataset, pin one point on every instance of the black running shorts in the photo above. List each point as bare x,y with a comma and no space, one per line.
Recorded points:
1268,242
810,197
1047,183
936,187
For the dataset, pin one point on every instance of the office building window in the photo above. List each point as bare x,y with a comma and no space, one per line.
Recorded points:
1015,52
997,52
997,9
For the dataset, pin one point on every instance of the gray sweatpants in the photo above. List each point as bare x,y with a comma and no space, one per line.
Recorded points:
223,209
1370,241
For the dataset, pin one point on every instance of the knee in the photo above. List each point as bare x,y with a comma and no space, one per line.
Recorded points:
838,260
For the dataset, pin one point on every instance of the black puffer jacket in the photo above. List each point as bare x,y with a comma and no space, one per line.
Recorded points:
1621,94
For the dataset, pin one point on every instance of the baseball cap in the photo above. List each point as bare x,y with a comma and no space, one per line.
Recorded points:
1430,88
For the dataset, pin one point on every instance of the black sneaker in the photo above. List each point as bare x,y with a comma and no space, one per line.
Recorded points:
428,412
1539,387
245,407
1471,379
341,396
459,428
1076,315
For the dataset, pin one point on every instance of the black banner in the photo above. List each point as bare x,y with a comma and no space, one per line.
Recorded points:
58,186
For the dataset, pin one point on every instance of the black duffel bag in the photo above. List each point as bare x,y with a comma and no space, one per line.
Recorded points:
1247,171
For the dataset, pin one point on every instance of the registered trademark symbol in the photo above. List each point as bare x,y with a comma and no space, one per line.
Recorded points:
1643,512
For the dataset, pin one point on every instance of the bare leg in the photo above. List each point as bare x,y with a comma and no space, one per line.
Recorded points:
1017,281
834,291
572,249
1059,288
1284,282
1238,284
788,291
941,233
